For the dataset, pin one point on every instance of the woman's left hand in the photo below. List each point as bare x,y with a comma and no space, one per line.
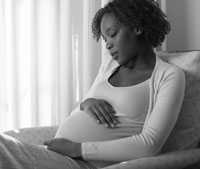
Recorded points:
64,147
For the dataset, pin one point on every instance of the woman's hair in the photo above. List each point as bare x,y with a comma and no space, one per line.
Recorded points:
144,15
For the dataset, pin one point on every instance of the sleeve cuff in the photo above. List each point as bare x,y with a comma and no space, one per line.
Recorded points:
88,150
82,151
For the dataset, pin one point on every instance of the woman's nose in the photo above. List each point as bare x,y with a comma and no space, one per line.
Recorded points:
109,45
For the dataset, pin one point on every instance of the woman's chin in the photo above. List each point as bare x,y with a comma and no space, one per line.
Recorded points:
117,60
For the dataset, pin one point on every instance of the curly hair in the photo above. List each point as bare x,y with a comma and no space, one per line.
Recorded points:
141,14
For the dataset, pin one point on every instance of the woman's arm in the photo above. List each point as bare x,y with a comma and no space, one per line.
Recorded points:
106,66
155,132
97,79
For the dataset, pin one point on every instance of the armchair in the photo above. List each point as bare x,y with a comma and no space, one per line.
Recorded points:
181,149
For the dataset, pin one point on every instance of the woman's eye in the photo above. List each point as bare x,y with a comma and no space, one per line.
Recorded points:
113,34
103,39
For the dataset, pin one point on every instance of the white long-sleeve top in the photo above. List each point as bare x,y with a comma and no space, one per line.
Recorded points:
166,93
130,104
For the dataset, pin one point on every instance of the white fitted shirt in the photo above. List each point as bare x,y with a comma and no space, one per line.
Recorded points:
130,104
147,112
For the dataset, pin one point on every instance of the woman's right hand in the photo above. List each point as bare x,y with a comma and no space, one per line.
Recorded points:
100,110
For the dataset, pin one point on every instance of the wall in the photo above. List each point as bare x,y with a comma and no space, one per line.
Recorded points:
184,16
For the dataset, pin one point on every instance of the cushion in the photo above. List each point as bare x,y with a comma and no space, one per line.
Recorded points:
186,133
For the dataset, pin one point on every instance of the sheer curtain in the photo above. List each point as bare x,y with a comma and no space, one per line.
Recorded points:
48,59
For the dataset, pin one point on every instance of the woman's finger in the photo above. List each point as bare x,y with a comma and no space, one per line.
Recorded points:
106,115
55,149
91,112
109,106
111,113
99,114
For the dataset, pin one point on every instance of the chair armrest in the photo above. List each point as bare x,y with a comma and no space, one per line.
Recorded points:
33,135
185,159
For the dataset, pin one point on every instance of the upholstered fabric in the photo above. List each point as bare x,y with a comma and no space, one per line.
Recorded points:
186,159
186,133
188,61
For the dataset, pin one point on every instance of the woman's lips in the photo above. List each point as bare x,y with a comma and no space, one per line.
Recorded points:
115,55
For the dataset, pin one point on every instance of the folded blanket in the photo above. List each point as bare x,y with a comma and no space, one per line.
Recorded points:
15,154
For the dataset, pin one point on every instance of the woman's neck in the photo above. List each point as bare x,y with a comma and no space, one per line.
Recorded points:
144,61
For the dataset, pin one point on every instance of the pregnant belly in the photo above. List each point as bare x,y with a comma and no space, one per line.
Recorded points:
81,127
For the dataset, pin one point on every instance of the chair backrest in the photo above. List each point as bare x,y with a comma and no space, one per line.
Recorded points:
186,133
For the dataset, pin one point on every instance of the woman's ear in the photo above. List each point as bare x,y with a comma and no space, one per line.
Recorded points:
137,31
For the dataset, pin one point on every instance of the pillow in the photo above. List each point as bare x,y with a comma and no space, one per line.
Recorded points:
186,133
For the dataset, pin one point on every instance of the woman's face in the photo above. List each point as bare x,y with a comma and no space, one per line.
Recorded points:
120,40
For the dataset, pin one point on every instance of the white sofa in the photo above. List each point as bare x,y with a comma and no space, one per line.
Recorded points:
181,149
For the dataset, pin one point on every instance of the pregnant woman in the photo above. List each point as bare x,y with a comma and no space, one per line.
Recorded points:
132,106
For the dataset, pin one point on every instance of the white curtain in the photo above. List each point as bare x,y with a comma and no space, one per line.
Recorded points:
48,59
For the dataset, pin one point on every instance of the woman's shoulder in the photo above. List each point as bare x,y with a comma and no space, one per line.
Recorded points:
163,66
167,66
168,69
